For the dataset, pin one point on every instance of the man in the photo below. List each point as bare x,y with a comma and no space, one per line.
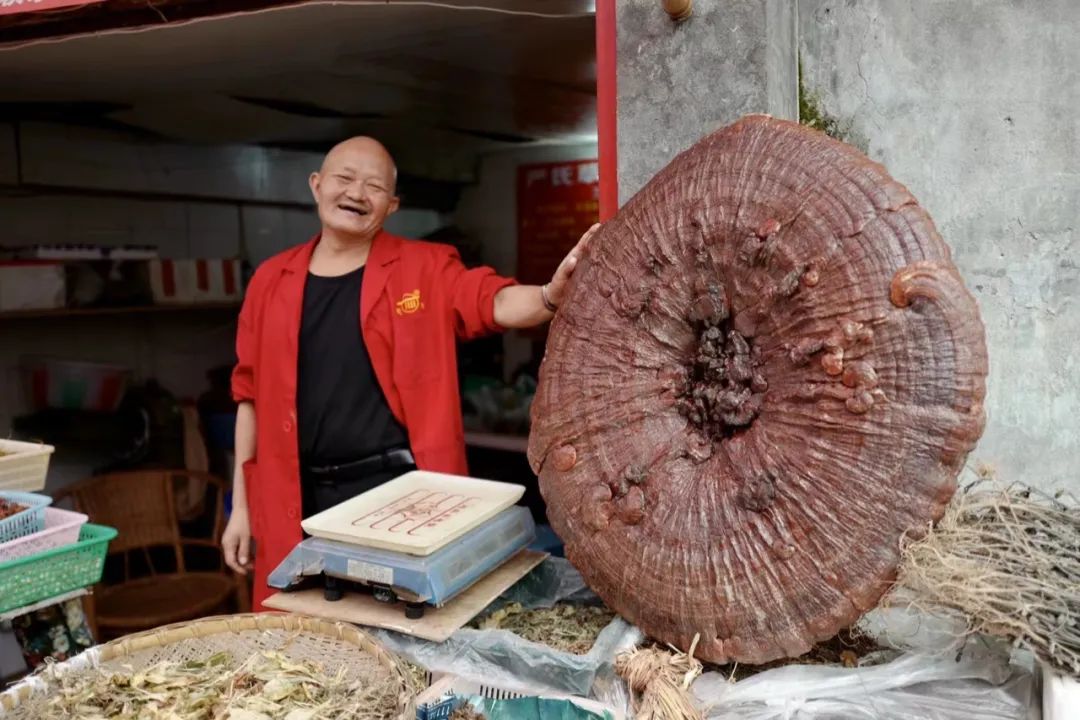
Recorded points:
347,358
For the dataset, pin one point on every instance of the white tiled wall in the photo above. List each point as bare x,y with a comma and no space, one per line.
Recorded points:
268,230
7,154
178,229
76,157
175,348
213,231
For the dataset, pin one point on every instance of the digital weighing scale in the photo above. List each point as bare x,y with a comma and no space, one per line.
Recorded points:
422,538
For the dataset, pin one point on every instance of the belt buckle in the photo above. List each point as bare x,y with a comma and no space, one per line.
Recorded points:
404,456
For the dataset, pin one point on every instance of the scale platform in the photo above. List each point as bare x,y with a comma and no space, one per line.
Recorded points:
416,513
391,576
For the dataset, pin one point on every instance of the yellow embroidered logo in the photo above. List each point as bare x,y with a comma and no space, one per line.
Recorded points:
409,303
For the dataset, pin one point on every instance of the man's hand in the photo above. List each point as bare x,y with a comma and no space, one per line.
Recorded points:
526,306
555,290
236,541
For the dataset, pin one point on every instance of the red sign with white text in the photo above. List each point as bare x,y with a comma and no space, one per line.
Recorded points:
13,7
556,204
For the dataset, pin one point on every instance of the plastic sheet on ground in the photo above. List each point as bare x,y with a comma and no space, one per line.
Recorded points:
980,683
498,657
909,629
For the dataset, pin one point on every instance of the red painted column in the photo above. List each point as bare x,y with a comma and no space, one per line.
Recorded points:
606,108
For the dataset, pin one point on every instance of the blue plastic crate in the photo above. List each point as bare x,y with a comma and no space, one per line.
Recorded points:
440,709
447,694
25,522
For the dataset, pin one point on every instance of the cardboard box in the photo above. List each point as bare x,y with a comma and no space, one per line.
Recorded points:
31,285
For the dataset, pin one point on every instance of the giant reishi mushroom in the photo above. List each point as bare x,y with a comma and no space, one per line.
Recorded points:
766,371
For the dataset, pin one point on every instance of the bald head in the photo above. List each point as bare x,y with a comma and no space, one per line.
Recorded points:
355,189
360,149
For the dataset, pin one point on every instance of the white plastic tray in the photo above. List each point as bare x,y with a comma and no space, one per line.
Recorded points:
416,513
23,466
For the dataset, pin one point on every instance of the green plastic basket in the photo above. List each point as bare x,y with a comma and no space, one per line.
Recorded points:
31,579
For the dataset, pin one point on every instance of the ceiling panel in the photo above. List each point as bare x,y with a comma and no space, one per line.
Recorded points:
463,82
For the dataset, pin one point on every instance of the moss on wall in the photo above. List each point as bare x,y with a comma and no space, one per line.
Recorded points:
812,114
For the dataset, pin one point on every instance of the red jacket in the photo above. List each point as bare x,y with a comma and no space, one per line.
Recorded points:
416,300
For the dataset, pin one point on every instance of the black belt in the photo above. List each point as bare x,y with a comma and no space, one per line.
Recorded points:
389,460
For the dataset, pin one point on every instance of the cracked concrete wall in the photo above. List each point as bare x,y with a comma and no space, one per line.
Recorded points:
972,104
680,81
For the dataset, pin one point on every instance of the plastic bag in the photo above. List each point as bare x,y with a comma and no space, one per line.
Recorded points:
554,580
498,657
980,683
611,690
1060,695
909,629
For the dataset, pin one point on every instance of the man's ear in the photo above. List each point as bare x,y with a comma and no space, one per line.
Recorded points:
313,183
395,205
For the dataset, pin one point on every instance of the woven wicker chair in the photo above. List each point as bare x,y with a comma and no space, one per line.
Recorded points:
142,507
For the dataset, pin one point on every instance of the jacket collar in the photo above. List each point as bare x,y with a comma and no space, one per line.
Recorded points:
385,249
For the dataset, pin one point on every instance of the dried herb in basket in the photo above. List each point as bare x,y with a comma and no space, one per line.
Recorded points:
567,627
264,686
9,508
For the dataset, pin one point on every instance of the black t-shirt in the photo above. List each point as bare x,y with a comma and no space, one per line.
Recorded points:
341,410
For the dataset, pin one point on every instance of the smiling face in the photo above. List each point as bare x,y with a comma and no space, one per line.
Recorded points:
354,190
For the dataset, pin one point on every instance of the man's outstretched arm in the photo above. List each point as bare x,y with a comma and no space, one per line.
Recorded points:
524,306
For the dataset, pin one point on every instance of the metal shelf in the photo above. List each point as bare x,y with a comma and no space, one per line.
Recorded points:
17,612
102,311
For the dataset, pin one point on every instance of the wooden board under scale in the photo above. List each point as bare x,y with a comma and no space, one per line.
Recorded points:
437,625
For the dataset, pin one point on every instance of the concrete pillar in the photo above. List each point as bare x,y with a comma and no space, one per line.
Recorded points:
680,81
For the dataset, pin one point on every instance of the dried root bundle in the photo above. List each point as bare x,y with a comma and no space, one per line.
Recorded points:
660,681
1007,559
